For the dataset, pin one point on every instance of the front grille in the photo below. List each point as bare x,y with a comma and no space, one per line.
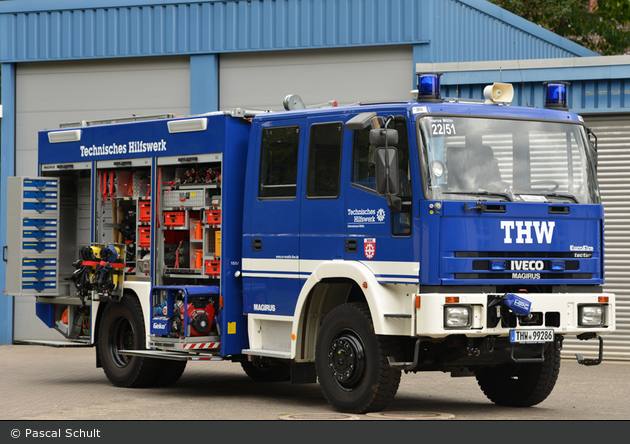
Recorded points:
485,265
523,275
526,254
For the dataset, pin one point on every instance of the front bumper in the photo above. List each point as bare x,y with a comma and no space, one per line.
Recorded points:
557,311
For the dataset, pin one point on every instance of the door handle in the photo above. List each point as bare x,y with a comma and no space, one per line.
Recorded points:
257,245
351,246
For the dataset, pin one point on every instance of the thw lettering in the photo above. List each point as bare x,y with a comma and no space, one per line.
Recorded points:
525,232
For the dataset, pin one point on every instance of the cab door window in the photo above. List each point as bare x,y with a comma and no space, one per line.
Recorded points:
279,162
363,172
324,161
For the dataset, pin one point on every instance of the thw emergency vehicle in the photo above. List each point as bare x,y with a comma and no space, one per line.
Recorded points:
340,244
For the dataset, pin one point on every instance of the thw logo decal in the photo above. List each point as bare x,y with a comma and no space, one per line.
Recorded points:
520,231
369,247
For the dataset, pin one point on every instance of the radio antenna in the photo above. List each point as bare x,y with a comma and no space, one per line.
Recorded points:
521,73
459,45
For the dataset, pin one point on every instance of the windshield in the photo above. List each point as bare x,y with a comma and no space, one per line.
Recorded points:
501,159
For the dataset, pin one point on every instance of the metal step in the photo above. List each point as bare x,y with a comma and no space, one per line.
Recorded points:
174,356
267,353
52,343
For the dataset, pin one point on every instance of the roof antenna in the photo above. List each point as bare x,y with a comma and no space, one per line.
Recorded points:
521,73
459,45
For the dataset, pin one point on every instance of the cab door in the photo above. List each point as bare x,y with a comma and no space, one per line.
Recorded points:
376,235
322,208
272,247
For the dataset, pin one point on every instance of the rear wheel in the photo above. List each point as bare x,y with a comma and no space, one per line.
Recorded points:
521,385
169,372
351,361
122,328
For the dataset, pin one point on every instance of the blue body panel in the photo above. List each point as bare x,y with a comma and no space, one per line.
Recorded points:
466,236
133,140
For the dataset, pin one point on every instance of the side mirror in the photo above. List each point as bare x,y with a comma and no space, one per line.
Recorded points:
360,121
592,141
386,164
387,176
383,137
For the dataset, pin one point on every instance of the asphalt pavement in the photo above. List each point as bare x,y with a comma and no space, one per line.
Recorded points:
48,383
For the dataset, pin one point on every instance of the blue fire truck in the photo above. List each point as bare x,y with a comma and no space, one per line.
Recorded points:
342,244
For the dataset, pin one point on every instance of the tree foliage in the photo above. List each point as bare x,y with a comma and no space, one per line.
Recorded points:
602,26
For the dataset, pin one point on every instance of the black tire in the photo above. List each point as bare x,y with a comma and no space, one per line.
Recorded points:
360,379
122,328
169,372
267,370
521,385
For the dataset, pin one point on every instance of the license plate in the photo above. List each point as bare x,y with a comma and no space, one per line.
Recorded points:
531,336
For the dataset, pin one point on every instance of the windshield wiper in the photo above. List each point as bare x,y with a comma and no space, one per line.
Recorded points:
482,193
565,195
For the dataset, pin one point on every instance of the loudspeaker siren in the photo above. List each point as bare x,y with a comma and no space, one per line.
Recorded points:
498,93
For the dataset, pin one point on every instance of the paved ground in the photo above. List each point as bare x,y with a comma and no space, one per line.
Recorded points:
46,383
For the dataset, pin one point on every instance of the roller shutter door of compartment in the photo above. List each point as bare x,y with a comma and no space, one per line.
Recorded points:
49,94
613,136
261,80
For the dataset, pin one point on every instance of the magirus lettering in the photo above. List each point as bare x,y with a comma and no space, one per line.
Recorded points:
527,231
264,307
525,275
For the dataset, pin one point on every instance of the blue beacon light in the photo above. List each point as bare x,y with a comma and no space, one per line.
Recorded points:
429,88
556,95
498,265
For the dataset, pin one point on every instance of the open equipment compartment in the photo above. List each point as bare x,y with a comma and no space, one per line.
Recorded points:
123,211
189,215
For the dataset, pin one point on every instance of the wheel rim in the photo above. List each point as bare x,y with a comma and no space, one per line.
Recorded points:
346,360
121,338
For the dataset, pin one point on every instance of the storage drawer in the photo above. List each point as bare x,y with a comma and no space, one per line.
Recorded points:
174,218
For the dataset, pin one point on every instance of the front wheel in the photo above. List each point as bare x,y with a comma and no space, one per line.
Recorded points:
521,385
122,328
351,361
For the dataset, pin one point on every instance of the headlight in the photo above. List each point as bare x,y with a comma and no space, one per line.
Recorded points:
591,315
457,316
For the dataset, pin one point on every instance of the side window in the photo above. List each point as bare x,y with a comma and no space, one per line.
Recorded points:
324,161
279,163
363,160
363,170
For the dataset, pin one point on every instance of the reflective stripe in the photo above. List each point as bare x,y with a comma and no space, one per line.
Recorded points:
384,271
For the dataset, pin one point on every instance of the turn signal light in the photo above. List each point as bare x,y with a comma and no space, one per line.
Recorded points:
452,299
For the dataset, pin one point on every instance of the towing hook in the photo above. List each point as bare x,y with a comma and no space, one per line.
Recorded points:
471,349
